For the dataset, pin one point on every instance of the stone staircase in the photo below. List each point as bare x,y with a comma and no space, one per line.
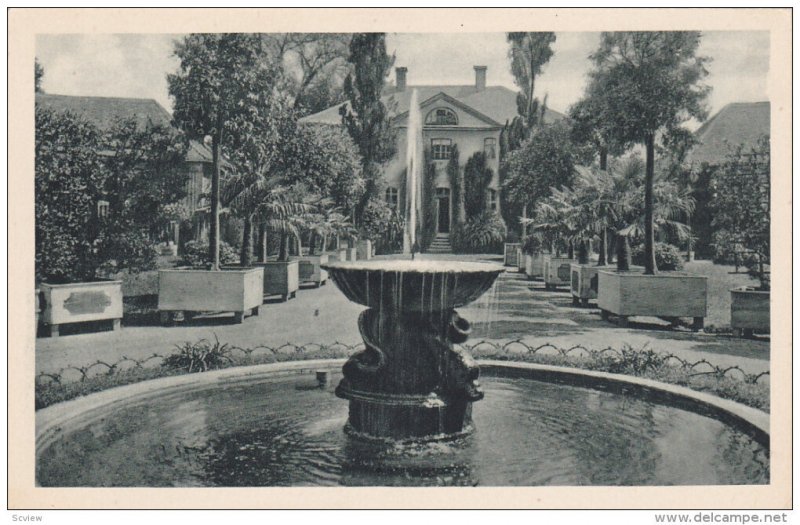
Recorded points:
441,244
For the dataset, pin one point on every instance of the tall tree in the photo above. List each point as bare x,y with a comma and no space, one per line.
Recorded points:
646,85
314,63
38,74
218,74
365,116
529,53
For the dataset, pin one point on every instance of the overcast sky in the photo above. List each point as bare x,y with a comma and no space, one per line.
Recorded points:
135,65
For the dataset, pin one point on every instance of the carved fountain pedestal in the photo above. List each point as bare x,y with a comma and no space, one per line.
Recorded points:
411,382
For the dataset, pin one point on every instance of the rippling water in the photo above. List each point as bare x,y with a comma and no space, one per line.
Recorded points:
288,432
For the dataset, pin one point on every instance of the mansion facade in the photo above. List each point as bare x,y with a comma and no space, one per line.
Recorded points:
469,116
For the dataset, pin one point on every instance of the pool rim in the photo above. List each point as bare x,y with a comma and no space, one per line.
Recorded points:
60,418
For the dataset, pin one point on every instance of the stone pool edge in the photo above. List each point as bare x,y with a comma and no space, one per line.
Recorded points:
50,421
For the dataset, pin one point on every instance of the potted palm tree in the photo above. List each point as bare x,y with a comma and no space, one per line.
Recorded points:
320,227
597,206
629,291
559,221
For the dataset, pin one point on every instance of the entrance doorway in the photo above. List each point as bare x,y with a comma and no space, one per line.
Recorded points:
443,217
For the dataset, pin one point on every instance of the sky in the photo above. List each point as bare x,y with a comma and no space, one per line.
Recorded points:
136,65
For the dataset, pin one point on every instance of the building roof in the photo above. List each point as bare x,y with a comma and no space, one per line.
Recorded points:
103,112
498,103
736,123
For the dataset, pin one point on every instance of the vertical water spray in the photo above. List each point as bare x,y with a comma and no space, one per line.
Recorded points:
414,155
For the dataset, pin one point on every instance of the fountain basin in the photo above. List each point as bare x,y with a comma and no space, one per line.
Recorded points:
413,286
272,425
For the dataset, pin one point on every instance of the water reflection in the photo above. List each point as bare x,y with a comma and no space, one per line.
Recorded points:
289,432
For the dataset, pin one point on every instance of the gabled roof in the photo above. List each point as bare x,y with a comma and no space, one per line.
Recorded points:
498,103
736,123
455,102
103,112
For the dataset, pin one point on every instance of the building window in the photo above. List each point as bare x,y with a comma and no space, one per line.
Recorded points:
492,200
391,198
102,209
440,149
442,117
490,148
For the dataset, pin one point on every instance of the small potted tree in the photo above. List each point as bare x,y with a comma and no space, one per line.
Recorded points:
742,216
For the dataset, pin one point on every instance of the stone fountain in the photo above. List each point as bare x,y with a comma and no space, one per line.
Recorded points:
412,381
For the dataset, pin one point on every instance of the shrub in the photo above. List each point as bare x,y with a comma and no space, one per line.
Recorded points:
195,253
668,256
199,357
484,233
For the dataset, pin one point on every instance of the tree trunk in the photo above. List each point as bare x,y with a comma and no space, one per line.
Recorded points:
611,242
601,252
261,243
283,253
524,226
246,253
571,250
603,158
312,243
650,267
213,237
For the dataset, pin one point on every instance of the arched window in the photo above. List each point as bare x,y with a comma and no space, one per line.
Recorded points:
391,197
442,117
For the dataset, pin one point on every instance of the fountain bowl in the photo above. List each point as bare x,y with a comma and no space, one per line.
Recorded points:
413,286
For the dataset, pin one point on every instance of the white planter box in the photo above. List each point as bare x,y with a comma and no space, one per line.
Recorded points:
81,302
237,290
749,311
351,254
281,278
310,271
668,294
556,271
534,265
364,250
510,253
584,281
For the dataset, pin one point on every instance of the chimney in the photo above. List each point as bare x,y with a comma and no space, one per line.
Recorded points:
400,77
480,77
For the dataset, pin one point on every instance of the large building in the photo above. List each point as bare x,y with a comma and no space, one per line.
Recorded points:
738,123
104,112
470,116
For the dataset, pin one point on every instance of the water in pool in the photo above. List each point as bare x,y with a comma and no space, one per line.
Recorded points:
287,431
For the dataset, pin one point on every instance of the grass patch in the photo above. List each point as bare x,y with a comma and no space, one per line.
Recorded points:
721,279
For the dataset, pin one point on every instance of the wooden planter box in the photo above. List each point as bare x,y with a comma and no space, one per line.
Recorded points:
364,250
237,290
79,303
668,294
510,253
556,271
281,278
583,282
309,269
351,254
749,311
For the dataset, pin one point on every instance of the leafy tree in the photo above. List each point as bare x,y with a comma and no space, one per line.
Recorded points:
69,179
146,172
38,74
529,53
218,73
365,117
544,161
259,150
741,204
477,177
457,185
314,64
645,85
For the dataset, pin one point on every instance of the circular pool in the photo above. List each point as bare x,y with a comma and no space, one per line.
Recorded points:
242,429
